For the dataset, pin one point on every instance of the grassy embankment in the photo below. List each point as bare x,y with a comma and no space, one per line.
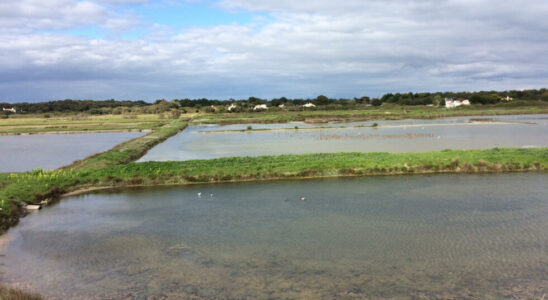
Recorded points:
33,124
33,187
387,112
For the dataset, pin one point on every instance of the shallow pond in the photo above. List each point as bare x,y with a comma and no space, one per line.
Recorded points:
20,153
213,141
445,236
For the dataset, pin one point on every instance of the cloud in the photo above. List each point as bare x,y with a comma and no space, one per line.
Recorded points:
305,48
29,15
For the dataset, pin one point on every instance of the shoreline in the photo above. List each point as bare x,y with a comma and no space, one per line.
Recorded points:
145,174
94,189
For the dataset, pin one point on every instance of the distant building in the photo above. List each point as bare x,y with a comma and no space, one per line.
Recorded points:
260,107
450,103
232,107
309,105
281,105
12,110
507,98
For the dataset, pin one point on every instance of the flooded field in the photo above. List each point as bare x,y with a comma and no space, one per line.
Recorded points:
444,236
213,141
20,153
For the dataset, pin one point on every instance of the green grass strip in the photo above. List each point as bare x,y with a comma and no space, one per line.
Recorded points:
36,186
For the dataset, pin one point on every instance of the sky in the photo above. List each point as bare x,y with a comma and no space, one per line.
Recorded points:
174,49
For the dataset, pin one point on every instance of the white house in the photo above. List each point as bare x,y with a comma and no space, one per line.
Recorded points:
508,98
13,110
231,107
281,105
260,107
450,103
309,105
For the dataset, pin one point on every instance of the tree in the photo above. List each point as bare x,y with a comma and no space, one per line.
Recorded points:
544,96
437,100
321,100
254,101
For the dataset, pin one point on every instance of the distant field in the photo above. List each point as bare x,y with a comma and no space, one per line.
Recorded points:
388,112
67,123
76,123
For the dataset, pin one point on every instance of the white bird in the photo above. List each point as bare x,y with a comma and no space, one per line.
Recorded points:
303,198
199,194
211,195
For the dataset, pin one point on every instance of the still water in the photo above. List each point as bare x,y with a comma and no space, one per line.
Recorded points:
21,153
444,236
213,141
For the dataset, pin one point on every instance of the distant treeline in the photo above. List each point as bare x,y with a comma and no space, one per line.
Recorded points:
69,105
482,97
322,102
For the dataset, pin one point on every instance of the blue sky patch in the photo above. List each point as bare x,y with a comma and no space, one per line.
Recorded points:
206,13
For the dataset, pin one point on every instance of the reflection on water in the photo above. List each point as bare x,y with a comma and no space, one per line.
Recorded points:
450,236
20,153
213,141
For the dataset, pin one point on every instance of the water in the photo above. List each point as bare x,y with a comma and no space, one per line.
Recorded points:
444,236
50,151
213,141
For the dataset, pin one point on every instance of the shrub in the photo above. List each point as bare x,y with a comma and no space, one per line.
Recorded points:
175,114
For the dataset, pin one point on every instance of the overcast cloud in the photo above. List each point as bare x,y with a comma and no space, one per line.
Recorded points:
300,49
